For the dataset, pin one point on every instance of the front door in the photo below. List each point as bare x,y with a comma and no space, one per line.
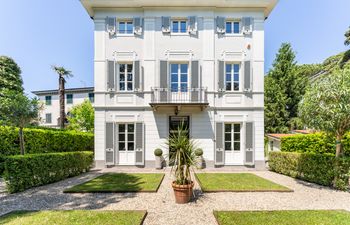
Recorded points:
126,143
179,82
174,123
233,144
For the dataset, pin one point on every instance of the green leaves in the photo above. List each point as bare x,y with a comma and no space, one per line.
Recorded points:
10,76
81,117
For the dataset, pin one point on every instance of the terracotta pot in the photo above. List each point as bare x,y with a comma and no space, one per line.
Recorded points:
183,193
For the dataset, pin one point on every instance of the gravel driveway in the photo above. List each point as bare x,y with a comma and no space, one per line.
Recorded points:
161,207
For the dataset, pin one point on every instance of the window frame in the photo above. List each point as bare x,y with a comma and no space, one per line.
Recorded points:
179,20
179,82
232,134
233,21
126,140
125,31
126,77
69,102
46,115
48,98
232,74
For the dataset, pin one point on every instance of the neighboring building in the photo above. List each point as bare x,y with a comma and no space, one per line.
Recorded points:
50,99
158,63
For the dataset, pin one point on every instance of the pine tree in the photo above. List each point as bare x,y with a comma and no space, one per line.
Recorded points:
10,77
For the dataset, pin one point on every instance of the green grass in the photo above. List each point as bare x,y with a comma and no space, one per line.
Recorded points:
300,217
120,182
237,182
74,217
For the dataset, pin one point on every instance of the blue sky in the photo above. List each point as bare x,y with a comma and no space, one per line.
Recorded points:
40,33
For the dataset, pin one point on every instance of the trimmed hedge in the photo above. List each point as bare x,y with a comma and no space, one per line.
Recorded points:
322,169
44,141
313,143
25,171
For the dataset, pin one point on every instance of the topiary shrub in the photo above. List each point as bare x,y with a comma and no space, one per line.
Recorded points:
158,152
198,152
32,170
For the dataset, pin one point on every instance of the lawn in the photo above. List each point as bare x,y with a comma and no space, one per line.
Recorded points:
74,217
120,182
305,217
237,182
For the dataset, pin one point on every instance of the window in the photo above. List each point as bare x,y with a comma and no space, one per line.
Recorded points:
48,118
91,97
126,137
125,77
179,77
125,27
48,100
232,77
233,27
233,137
69,98
179,26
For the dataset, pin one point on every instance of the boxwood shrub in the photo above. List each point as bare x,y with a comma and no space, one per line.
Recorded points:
26,171
322,169
313,143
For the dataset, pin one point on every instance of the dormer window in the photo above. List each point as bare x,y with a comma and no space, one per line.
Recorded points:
233,27
179,26
125,27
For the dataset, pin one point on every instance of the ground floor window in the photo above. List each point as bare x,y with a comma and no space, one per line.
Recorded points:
126,137
232,137
48,118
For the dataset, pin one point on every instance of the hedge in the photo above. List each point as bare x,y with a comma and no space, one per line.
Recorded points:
44,141
26,171
313,143
322,169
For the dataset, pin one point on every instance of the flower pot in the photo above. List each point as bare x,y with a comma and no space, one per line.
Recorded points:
159,162
200,162
183,193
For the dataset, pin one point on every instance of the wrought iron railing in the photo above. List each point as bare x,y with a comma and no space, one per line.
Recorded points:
179,95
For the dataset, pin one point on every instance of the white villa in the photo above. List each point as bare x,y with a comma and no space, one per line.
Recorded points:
50,100
159,63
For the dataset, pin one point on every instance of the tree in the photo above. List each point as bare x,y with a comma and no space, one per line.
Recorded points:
62,74
347,37
81,117
326,107
10,76
20,111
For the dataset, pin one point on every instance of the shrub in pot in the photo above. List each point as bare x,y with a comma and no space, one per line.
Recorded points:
200,161
159,159
182,158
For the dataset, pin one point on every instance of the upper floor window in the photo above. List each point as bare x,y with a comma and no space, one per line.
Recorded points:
48,118
232,77
233,27
91,97
69,98
48,100
125,27
179,26
179,77
126,77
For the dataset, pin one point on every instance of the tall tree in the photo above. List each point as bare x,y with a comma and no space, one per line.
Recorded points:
81,117
10,76
62,75
347,37
20,111
325,105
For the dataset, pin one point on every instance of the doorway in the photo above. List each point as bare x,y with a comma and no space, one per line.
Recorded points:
174,123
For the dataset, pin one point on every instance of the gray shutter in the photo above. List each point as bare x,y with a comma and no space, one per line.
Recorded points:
194,81
166,24
137,76
247,76
220,25
137,25
249,144
192,24
163,81
111,25
219,148
221,80
109,135
139,140
247,24
110,75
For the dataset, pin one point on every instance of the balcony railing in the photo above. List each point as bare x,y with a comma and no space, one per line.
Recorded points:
179,96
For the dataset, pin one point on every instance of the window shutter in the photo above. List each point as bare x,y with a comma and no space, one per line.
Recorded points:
137,76
221,80
166,24
249,144
220,25
195,81
247,24
219,149
110,75
192,24
109,158
139,140
138,25
163,78
111,25
247,76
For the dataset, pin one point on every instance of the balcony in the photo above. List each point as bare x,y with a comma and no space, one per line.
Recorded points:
178,98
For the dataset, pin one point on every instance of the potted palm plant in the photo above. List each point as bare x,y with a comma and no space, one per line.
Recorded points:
182,158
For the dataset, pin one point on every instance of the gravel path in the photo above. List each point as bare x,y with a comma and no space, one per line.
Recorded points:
161,207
